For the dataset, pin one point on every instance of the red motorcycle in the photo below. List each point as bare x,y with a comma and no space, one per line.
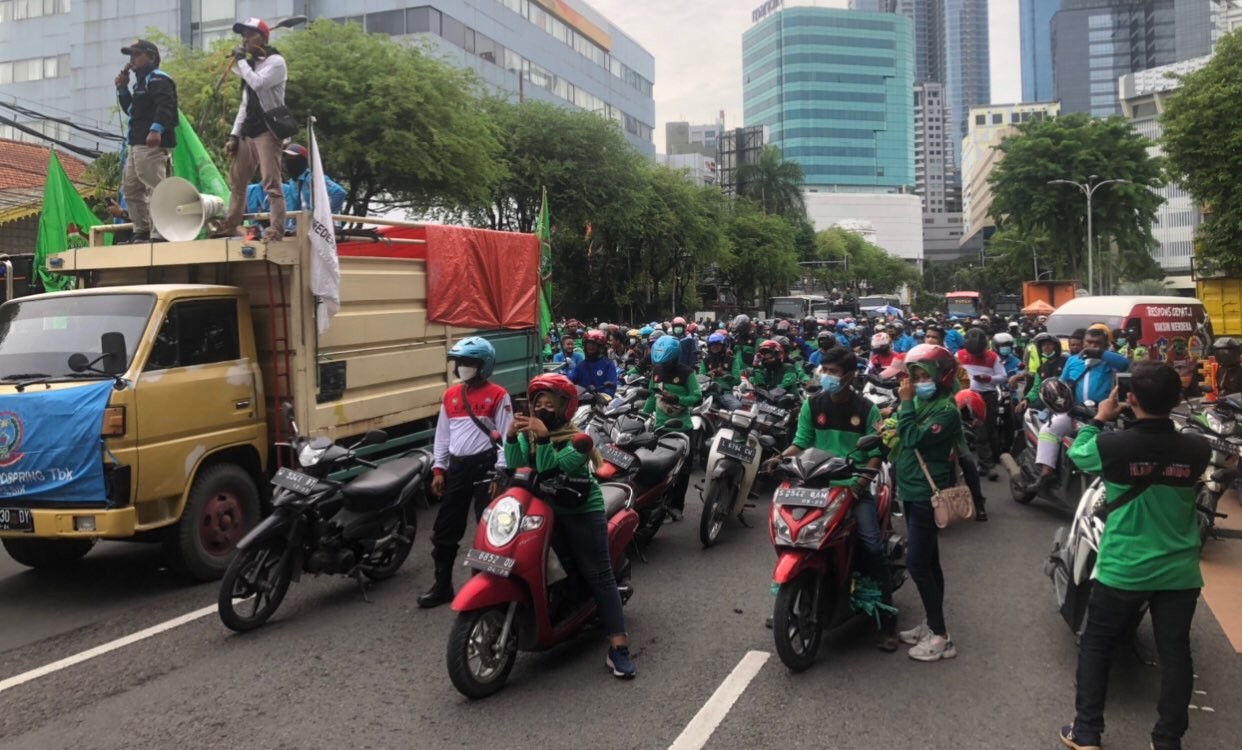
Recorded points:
521,596
648,462
813,528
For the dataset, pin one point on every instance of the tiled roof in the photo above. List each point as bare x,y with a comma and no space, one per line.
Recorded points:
23,171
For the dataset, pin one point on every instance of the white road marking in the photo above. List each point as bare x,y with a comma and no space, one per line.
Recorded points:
699,730
91,653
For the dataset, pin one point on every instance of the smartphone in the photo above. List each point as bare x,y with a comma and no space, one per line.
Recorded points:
521,405
1123,386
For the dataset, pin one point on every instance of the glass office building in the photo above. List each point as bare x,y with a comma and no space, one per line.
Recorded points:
1035,26
834,89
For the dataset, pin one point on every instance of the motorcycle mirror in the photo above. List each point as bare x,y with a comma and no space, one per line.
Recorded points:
868,443
375,437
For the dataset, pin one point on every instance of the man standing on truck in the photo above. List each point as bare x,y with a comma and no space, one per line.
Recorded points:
152,135
472,418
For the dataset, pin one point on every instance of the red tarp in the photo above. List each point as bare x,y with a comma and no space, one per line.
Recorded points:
476,278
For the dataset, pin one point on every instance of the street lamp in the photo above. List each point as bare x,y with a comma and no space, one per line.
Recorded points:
1088,189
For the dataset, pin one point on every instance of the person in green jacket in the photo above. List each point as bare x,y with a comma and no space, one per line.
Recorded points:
674,390
721,366
547,441
928,425
773,371
833,420
746,341
1149,550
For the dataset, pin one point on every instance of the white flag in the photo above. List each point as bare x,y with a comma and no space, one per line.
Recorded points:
325,272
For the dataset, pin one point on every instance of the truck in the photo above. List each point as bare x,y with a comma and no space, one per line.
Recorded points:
962,304
177,357
1053,293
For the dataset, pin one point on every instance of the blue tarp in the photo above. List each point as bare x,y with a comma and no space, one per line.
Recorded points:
50,445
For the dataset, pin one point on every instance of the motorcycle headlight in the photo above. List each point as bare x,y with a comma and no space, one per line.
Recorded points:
503,522
309,456
782,529
740,420
813,532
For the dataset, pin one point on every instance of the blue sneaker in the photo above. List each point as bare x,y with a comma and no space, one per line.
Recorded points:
1079,740
620,663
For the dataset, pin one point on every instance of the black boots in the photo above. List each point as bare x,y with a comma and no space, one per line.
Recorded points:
441,592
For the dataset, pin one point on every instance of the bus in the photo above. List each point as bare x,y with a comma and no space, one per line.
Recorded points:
796,307
962,304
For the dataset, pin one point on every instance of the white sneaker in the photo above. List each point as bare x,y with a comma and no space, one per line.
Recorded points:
915,634
933,648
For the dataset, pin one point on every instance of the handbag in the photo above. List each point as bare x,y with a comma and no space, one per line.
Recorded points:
281,122
952,504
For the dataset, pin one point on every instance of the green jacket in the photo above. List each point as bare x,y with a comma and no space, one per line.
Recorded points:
744,354
836,428
680,381
1152,542
556,458
729,378
786,376
935,433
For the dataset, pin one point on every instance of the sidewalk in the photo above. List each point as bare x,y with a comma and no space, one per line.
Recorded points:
1222,572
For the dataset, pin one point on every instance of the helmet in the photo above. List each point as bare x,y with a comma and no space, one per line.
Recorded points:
1227,351
478,349
679,321
565,392
825,336
774,347
785,343
741,324
968,399
809,323
936,360
1002,339
665,350
976,341
655,336
718,338
1046,337
645,331
633,333
1013,324
782,326
881,340
1102,329
667,326
1056,395
692,328
596,337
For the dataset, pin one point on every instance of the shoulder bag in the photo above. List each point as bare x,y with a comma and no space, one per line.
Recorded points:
952,504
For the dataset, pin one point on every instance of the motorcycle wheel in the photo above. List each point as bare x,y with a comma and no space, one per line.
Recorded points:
647,529
473,665
400,550
715,508
795,624
1017,484
259,577
1207,499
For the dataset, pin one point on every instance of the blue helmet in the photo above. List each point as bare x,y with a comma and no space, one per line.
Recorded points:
477,348
717,338
645,331
665,350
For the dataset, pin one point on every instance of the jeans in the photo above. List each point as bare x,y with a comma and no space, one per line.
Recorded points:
728,401
583,537
923,561
466,479
1111,614
867,516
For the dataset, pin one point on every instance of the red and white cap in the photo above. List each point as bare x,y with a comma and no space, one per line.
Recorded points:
253,24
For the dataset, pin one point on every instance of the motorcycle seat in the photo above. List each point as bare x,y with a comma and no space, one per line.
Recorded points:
382,484
615,497
655,465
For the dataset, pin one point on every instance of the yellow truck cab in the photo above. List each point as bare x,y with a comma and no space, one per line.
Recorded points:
197,344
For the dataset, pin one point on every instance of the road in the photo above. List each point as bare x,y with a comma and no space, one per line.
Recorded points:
334,671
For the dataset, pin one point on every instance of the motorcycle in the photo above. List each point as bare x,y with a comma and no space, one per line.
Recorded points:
1219,425
362,527
591,404
648,462
1068,484
733,461
522,595
813,530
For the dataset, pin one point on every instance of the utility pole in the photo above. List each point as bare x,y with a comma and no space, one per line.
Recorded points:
1088,189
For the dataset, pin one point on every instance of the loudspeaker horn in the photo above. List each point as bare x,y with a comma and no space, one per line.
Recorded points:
179,212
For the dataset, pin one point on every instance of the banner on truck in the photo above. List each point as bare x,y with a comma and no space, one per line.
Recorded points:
50,447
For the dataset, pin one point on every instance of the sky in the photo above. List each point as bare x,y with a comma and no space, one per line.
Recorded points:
698,52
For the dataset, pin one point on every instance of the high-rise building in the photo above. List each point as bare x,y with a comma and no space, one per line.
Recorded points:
967,61
699,169
988,127
1035,26
738,147
62,63
833,87
1095,42
684,138
936,179
926,16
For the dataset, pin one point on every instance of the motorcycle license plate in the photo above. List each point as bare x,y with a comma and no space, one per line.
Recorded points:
294,481
740,451
617,457
801,496
487,562
775,411
16,519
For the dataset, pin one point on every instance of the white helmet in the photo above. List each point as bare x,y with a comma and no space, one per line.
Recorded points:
880,339
1002,339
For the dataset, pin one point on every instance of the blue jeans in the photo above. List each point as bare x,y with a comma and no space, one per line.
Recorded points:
923,561
728,401
875,563
585,537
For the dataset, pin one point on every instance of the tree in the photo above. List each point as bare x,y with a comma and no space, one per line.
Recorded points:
772,182
1204,149
856,261
764,256
1075,147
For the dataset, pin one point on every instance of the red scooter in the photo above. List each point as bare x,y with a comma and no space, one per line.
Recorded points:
647,461
521,597
813,529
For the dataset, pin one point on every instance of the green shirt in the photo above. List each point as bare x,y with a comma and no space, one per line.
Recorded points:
550,458
683,383
728,379
1152,542
836,428
786,376
935,433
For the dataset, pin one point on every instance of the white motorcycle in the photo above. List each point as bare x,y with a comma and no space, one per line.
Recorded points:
732,463
1071,561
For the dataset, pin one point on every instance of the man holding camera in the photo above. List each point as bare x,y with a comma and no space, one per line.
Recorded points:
252,142
152,134
1149,552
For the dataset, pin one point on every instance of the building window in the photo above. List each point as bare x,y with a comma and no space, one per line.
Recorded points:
34,69
998,118
20,10
422,20
981,119
390,22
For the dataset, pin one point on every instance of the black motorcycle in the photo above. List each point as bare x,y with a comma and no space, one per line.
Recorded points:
359,528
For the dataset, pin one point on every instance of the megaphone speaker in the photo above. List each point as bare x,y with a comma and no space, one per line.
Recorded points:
179,212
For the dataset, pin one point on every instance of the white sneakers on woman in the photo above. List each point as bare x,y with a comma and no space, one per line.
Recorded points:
926,645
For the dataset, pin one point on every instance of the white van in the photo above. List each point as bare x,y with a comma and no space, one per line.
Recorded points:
1178,327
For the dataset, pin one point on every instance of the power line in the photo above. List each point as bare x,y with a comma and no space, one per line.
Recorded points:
87,152
34,114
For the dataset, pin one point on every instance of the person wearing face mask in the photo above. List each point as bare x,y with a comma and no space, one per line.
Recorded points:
881,352
773,371
986,373
825,341
719,366
547,441
595,372
834,420
689,345
473,417
674,390
1015,368
1046,361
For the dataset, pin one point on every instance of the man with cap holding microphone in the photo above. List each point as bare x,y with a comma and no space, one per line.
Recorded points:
252,143
152,134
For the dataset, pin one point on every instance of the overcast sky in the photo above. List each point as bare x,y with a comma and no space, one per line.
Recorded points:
698,51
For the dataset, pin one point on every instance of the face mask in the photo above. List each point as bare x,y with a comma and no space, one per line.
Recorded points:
919,334
881,350
831,384
678,330
550,418
925,390
466,373
1006,350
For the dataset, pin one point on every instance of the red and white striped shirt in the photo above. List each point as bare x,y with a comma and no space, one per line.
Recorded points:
988,364
456,432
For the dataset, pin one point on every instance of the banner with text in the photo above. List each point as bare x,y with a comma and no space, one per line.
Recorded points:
50,445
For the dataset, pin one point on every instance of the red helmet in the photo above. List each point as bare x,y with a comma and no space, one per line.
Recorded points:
560,387
971,400
596,336
679,321
772,346
691,328
936,360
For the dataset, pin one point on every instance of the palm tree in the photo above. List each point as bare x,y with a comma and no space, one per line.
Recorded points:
773,182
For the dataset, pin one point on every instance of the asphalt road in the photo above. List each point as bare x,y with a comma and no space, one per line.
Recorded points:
332,671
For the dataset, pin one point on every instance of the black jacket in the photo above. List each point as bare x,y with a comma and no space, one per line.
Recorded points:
153,102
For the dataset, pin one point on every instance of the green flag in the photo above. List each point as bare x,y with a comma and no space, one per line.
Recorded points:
543,228
190,161
65,223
